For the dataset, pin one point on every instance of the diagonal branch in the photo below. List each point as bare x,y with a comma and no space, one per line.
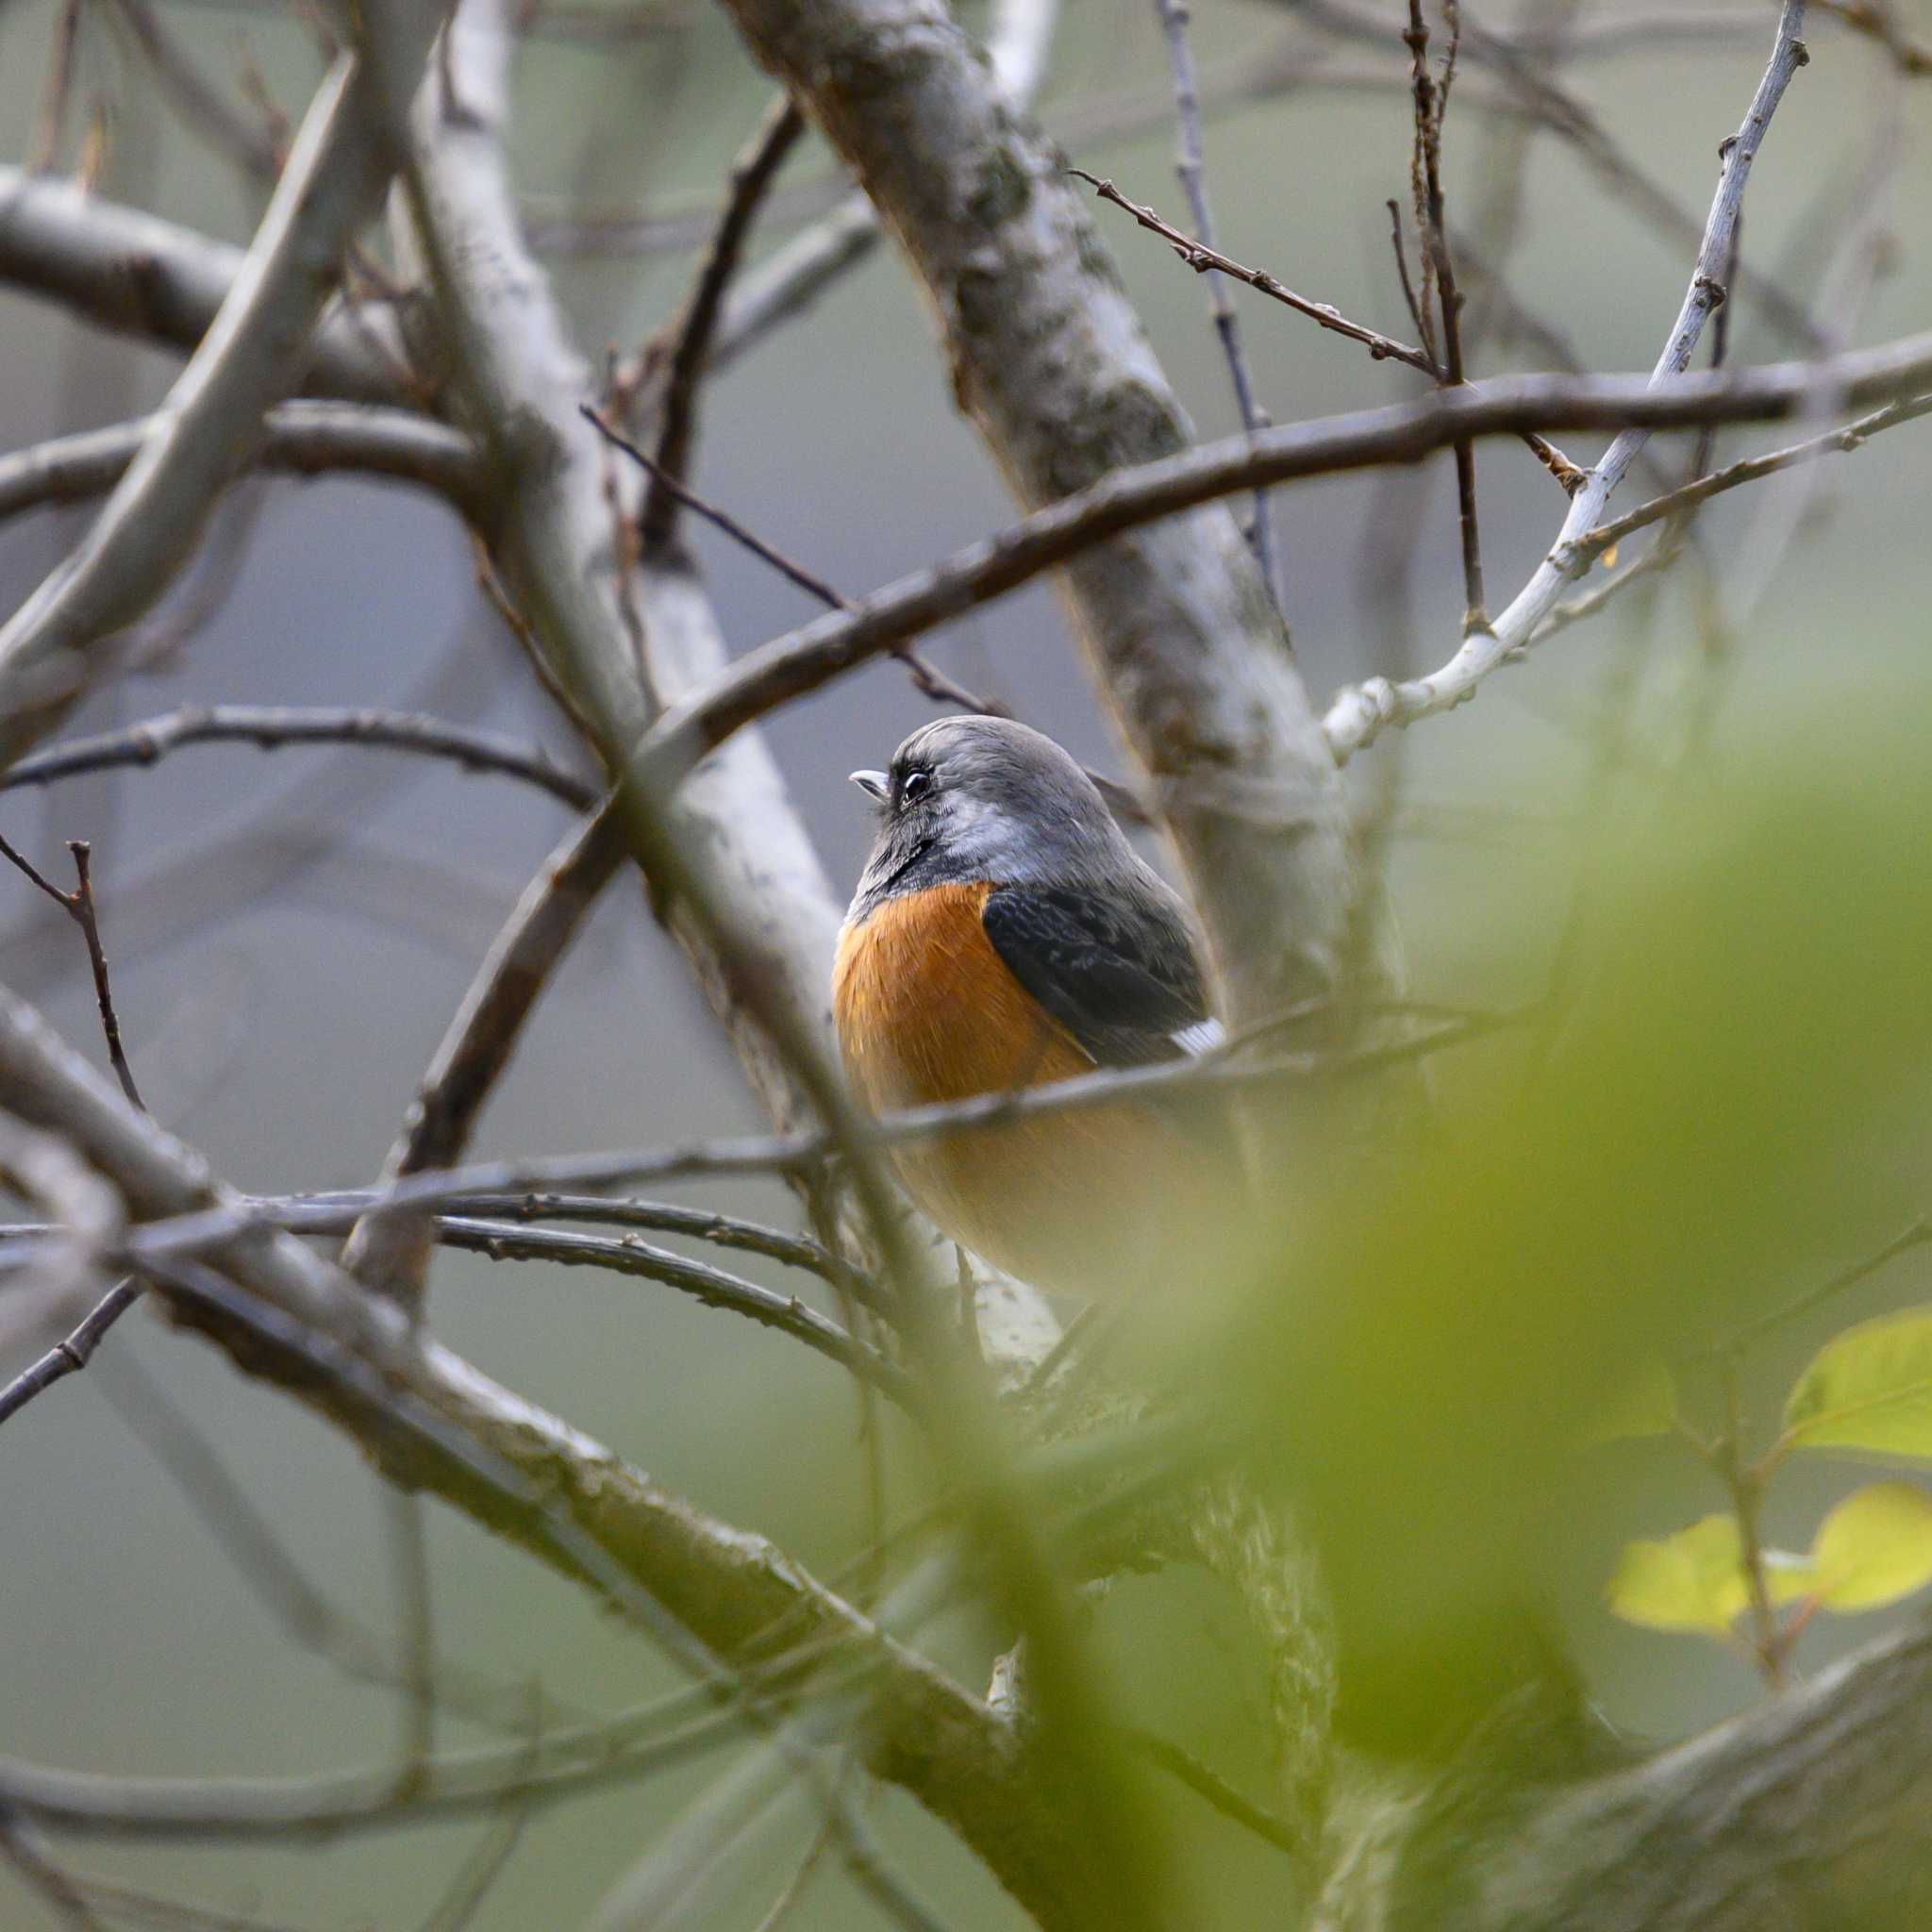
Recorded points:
137,273
433,1422
1359,713
251,358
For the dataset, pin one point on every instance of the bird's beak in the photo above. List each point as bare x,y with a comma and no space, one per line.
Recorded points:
872,783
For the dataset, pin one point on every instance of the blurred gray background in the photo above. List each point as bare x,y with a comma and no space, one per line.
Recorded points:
289,932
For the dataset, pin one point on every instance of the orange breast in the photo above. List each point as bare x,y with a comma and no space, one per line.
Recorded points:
927,1009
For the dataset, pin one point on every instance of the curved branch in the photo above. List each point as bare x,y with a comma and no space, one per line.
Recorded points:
304,438
140,275
251,355
268,726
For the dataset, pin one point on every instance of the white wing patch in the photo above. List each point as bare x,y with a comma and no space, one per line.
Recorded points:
1202,1036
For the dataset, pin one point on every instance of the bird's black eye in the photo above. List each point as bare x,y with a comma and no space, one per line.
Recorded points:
914,787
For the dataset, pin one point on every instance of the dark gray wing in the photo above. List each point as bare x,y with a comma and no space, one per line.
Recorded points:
1124,979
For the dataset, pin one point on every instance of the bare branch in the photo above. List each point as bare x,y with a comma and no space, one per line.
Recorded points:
304,438
393,1257
930,680
505,1241
1204,260
1431,108
435,1421
145,277
270,727
1191,167
752,173
781,1154
806,659
784,287
1675,503
1877,22
203,110
251,358
1359,714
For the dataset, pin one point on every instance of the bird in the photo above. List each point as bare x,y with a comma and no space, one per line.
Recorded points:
1005,934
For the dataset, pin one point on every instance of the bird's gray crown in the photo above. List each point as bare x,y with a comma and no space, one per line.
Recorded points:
971,798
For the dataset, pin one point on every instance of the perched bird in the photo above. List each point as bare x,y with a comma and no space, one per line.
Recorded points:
1005,934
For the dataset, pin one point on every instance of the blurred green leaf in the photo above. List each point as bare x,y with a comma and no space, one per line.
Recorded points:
1691,1581
1870,1387
1696,1581
1875,1548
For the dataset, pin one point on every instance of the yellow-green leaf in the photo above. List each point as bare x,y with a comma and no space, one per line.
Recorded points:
1875,1548
1691,1581
1869,1389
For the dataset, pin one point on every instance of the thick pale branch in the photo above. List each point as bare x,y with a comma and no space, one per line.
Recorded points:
1051,363
145,277
251,358
1808,1811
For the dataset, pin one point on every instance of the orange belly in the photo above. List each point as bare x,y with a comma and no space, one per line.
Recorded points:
927,1011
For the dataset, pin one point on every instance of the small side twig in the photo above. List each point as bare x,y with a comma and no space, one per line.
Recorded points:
80,906
1200,258
1675,502
272,726
50,114
72,1352
1439,275
751,176
1191,168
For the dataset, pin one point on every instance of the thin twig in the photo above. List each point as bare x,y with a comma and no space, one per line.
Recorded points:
1879,23
1431,108
752,173
1191,167
1359,713
79,907
1209,1785
401,1513
471,1885
930,679
55,89
1200,258
711,1286
71,1355
1675,503
804,659
21,1848
1918,1235
1409,295
275,1578
435,1191
203,110
72,1352
699,1223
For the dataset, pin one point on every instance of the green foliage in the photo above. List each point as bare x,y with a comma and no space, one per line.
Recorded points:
1873,1549
1868,1389
1441,1322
